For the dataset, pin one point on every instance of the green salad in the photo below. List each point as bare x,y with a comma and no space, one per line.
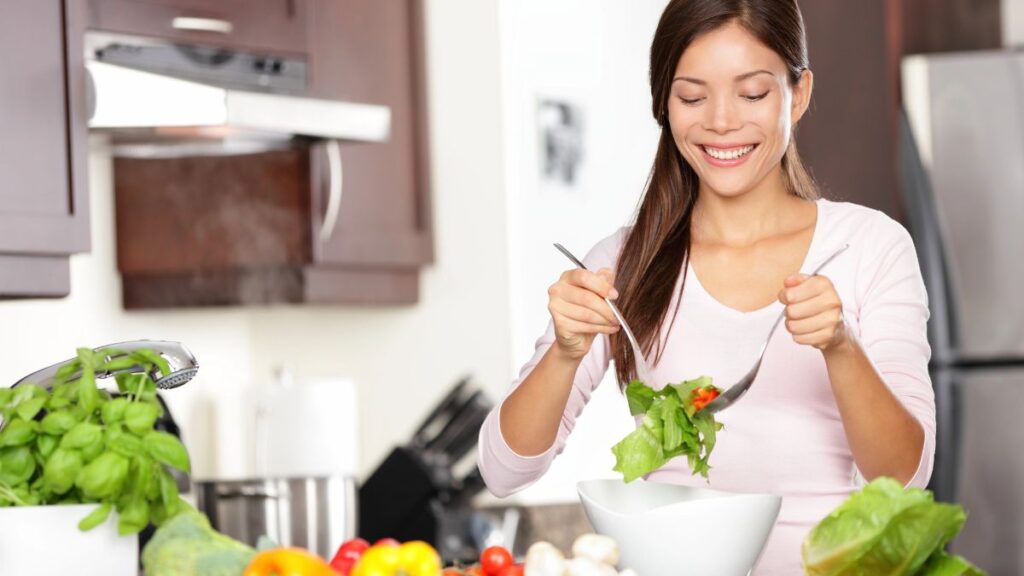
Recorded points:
673,425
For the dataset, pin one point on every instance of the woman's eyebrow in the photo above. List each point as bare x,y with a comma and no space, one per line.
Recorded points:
739,78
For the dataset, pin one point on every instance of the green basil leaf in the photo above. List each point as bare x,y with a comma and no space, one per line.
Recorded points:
147,356
81,435
119,364
61,470
57,401
58,422
168,488
29,408
167,449
16,465
141,477
18,432
6,394
113,411
45,444
139,417
26,392
88,394
66,371
104,476
91,451
126,445
133,517
95,518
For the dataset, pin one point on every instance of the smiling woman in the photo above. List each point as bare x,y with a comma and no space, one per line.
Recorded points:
729,226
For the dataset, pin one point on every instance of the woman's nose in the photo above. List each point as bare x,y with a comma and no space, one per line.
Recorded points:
721,116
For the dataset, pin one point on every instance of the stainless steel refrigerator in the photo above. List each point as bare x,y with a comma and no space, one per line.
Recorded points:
962,170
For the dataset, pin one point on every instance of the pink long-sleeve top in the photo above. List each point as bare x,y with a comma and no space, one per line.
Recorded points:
785,436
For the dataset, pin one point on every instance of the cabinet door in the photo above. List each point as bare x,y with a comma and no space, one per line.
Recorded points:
43,145
371,51
276,26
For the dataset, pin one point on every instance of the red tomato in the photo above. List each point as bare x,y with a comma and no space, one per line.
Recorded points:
350,551
387,542
513,570
494,560
475,571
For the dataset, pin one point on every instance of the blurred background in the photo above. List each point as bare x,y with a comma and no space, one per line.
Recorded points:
345,209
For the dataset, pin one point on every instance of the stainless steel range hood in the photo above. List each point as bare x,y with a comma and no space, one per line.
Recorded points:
176,92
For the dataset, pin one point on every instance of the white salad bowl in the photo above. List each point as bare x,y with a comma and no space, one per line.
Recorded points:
664,529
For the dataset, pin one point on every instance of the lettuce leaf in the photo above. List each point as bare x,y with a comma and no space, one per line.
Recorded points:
671,427
886,529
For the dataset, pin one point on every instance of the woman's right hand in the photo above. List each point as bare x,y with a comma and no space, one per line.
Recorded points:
577,306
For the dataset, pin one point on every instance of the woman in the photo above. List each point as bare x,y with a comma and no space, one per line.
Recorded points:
729,219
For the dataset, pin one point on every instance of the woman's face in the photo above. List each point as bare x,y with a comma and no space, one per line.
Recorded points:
732,109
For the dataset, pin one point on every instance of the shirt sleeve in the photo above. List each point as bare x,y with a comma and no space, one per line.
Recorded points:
893,329
507,472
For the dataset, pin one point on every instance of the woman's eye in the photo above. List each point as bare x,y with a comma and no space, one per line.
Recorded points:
756,97
690,101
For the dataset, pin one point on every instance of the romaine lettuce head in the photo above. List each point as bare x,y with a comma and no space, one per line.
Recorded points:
884,529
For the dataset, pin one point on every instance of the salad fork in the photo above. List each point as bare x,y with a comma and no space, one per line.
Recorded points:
639,362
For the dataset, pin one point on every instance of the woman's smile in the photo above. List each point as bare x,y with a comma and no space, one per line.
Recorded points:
727,155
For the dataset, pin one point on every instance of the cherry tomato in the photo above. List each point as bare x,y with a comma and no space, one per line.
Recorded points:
513,570
495,559
348,553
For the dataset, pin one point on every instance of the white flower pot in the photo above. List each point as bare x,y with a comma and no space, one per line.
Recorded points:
46,541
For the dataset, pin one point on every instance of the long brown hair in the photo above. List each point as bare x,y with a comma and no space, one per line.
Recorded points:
658,245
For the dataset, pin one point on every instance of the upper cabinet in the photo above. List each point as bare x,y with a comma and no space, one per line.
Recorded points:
322,221
44,209
371,51
274,26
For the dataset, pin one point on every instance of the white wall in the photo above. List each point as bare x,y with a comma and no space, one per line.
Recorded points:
402,358
593,53
1013,22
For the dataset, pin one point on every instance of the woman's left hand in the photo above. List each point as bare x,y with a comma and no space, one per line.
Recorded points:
814,312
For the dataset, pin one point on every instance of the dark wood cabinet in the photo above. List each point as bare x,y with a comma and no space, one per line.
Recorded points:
272,26
44,212
323,222
366,51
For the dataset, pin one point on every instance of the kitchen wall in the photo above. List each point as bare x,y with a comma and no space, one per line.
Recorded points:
403,359
1013,22
592,55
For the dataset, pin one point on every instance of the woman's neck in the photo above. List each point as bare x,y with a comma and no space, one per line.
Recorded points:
742,220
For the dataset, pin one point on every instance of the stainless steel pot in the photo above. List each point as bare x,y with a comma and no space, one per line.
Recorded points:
316,513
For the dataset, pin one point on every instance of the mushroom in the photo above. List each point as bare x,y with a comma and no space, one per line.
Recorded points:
543,559
596,547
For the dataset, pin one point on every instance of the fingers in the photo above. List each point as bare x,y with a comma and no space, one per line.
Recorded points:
600,283
584,315
819,304
825,320
566,325
805,289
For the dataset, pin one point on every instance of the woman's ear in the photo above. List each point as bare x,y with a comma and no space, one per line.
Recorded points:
802,95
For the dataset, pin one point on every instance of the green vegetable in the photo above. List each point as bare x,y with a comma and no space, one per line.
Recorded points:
187,545
886,529
672,426
74,444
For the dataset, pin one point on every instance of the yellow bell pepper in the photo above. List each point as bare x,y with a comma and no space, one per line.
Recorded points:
288,562
410,559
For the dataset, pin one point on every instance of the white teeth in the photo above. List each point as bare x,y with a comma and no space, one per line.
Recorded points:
728,154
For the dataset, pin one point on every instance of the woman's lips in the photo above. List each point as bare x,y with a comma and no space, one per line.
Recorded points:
727,157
